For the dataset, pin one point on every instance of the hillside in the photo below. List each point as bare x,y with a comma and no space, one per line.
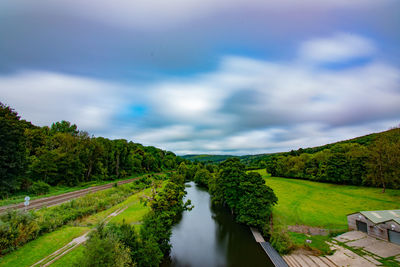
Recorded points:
204,158
365,140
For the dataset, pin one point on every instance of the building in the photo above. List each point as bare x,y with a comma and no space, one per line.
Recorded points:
382,224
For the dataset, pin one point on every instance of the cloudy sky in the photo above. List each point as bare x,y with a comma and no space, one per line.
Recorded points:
205,76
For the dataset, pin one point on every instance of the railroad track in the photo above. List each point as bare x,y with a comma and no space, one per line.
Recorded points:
55,200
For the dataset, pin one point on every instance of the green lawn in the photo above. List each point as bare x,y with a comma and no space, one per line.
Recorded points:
37,249
134,213
70,258
325,205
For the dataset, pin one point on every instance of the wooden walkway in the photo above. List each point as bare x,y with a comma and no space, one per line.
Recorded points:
273,255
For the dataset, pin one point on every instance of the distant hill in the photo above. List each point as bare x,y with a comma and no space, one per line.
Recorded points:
365,140
204,158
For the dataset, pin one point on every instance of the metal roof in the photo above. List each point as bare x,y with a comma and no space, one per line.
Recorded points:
381,216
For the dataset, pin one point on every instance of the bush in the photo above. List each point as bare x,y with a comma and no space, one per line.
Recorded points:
39,188
107,251
281,241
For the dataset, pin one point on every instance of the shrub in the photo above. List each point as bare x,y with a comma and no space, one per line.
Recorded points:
281,241
107,251
39,188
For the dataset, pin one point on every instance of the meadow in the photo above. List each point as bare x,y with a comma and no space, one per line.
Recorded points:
324,205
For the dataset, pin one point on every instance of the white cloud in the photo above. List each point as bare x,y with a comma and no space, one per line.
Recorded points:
44,97
244,106
337,48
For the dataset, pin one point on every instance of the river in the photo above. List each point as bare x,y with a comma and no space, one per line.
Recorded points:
208,236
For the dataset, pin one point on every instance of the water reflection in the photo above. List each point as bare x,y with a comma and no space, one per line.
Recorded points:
208,236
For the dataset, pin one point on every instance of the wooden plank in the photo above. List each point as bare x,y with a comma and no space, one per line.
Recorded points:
257,236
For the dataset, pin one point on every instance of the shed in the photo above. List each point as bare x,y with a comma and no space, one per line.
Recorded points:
382,224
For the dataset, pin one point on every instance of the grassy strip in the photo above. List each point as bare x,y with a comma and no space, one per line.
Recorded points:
134,213
70,258
318,243
42,247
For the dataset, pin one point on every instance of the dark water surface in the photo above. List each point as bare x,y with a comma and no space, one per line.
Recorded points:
208,236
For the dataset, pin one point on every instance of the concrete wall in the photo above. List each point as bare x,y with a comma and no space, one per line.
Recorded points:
378,231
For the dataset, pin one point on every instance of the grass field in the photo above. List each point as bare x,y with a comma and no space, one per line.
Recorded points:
37,249
325,205
70,258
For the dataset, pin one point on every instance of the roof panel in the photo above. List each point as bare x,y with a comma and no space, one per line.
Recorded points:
380,216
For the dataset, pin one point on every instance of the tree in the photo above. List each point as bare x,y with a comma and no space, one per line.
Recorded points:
64,127
202,177
12,150
256,201
384,161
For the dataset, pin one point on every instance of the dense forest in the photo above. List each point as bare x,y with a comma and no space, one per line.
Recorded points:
33,158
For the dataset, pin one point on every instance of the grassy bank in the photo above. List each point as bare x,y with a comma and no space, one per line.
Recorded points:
37,249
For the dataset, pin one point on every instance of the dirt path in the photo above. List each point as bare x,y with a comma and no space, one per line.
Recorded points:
73,244
55,200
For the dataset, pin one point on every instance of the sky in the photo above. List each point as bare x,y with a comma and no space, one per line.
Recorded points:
204,76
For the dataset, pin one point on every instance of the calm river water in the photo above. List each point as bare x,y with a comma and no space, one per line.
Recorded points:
208,236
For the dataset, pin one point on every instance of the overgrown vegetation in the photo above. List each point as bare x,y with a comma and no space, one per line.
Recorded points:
121,244
32,156
19,227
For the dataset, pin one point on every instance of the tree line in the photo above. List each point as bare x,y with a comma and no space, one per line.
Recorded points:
375,164
32,157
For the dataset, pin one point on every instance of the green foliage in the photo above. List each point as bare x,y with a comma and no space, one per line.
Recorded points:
148,247
104,251
43,246
384,161
256,201
318,243
244,193
12,150
39,188
202,177
281,241
62,155
18,227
